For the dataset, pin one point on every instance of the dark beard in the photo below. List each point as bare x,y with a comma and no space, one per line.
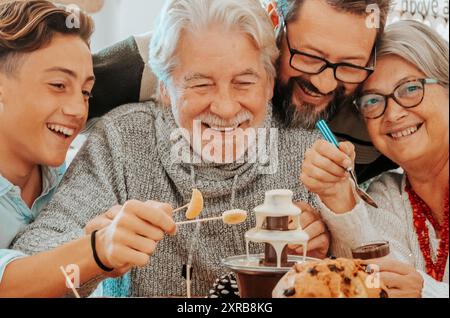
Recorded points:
307,116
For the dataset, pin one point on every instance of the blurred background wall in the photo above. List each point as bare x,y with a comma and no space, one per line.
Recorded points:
119,19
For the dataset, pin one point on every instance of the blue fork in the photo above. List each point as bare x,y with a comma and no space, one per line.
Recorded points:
329,136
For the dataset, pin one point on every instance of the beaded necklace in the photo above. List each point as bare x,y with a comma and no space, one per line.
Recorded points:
422,213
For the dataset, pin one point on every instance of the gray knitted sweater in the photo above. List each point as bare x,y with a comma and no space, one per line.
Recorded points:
127,156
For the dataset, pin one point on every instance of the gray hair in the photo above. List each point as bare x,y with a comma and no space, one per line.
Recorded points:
419,45
178,16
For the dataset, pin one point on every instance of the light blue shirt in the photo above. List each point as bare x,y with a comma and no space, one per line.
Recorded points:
15,215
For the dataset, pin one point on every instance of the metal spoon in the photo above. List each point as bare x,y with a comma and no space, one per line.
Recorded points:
329,136
362,194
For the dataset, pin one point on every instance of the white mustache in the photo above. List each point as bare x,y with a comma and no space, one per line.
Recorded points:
215,121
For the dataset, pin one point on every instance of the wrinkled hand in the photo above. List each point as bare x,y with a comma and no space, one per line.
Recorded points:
324,172
131,238
324,167
312,224
402,280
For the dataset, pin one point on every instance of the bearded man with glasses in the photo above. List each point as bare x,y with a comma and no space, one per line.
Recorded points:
313,65
328,48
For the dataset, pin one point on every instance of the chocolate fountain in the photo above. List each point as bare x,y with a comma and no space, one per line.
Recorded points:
277,225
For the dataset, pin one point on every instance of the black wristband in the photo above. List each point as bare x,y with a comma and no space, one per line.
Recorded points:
96,258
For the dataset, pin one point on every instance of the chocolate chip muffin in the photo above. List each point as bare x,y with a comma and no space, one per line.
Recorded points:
339,278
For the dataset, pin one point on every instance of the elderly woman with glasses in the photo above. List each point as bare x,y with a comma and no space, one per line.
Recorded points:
405,105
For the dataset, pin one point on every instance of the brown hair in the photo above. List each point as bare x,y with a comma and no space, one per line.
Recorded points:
27,26
290,9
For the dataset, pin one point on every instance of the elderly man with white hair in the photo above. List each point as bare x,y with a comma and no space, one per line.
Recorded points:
215,65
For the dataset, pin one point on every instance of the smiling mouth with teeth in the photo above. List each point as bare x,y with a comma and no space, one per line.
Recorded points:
223,129
61,130
306,90
406,132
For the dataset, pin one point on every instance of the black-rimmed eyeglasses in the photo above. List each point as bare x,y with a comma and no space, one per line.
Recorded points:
407,94
313,65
